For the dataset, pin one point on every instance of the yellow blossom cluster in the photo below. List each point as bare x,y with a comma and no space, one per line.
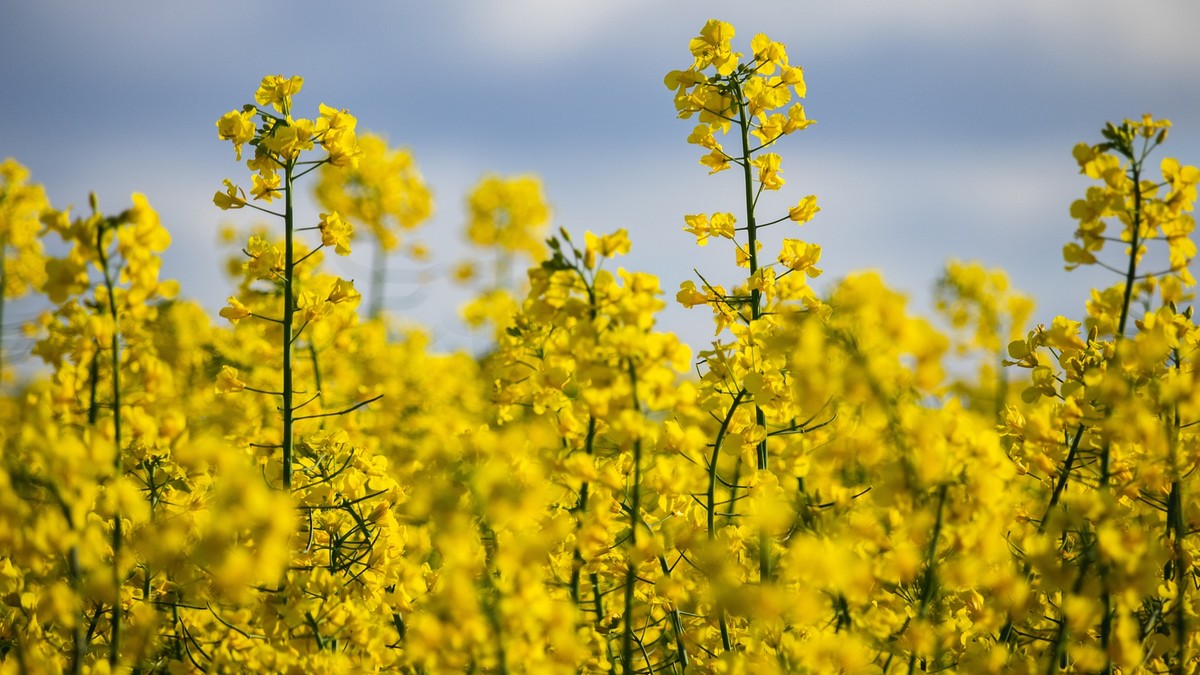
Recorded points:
821,488
507,216
508,213
383,191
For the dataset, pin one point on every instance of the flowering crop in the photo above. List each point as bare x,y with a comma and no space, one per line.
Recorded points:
295,488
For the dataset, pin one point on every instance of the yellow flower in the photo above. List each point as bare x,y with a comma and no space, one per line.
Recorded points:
464,272
228,382
381,190
796,119
770,128
265,186
794,76
608,245
336,129
804,210
712,47
145,232
688,296
266,260
742,254
232,198
510,213
277,91
343,291
767,53
1183,180
236,126
235,312
698,225
716,160
680,80
723,225
289,140
768,170
801,256
702,135
336,232
65,277
1063,334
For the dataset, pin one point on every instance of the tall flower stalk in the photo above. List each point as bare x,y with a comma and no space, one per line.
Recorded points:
753,99
280,141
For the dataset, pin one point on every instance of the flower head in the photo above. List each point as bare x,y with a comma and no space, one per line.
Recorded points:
337,232
277,91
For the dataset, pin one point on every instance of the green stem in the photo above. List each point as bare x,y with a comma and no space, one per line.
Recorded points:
378,272
929,579
580,510
1058,652
1176,525
676,617
726,642
114,348
118,527
1006,632
312,357
635,505
764,540
78,637
1135,170
492,600
288,318
598,601
1061,484
748,181
93,388
1134,243
712,464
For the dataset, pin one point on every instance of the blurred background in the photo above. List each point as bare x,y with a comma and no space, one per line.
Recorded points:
944,129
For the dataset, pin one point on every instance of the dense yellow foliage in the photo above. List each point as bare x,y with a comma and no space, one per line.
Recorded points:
293,488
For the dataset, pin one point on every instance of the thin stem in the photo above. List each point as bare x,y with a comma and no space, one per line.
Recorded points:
748,181
580,509
930,579
635,506
1061,485
764,540
1059,651
1176,527
288,318
378,272
712,465
345,411
493,608
1135,170
316,366
1134,242
118,537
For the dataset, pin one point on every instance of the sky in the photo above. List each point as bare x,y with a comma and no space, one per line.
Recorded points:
944,128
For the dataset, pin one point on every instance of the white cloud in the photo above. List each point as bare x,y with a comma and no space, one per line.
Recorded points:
528,32
1106,34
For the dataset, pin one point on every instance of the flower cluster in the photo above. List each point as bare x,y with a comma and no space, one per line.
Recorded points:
383,191
508,216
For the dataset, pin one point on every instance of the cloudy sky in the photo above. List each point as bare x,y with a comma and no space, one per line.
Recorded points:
944,127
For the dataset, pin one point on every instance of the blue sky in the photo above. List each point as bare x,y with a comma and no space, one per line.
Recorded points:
944,127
